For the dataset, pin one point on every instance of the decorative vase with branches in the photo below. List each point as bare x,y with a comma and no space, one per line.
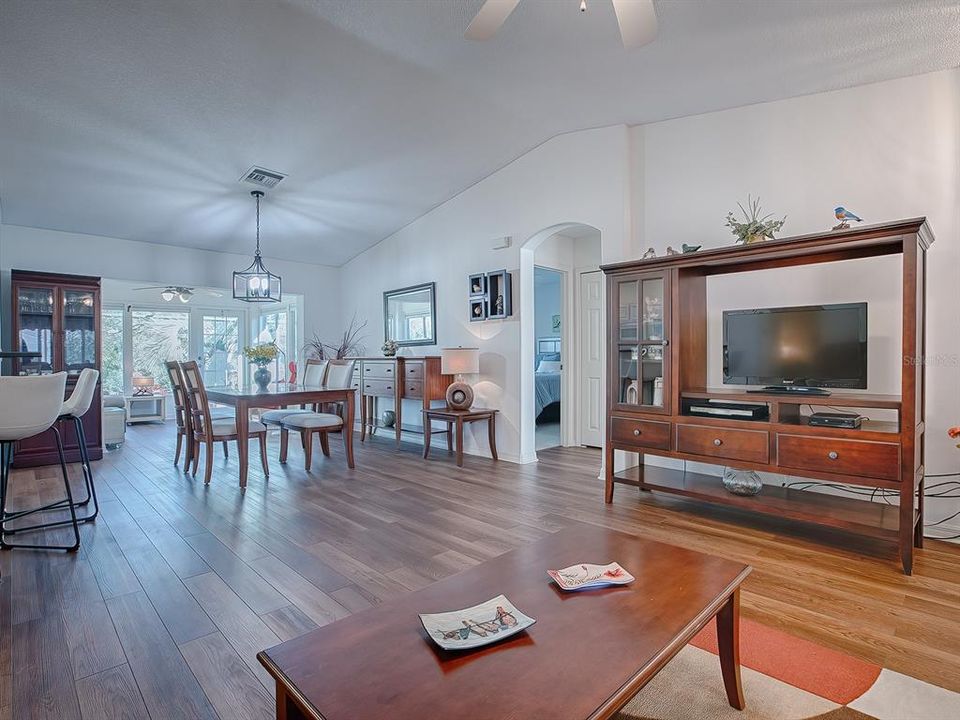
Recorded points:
755,227
349,344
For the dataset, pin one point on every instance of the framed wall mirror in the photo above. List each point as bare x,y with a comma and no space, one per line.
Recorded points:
410,315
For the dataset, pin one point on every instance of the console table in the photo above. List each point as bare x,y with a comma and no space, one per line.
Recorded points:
396,379
657,320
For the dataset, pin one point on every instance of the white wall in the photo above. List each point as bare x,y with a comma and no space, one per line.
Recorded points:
887,151
53,251
580,177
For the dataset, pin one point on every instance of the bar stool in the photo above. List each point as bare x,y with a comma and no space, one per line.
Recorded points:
28,407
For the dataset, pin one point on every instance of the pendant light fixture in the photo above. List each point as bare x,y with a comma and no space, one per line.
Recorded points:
256,283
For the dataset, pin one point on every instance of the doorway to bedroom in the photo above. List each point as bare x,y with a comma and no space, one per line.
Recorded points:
565,369
548,347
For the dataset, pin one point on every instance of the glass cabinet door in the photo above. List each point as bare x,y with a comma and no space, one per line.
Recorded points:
79,331
35,321
642,338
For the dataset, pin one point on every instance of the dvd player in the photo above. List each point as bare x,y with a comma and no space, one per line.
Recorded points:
836,419
728,410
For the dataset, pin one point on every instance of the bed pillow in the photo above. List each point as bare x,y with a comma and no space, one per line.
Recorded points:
549,366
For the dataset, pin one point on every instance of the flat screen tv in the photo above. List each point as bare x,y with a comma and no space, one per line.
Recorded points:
815,346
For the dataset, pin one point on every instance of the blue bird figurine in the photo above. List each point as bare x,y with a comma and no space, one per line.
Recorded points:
844,216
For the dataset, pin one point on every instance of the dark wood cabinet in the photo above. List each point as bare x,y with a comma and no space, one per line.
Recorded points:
59,317
657,350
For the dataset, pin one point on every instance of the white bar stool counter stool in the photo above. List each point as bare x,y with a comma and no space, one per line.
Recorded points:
29,406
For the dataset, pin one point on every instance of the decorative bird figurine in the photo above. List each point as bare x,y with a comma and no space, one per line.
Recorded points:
671,251
844,216
650,253
690,248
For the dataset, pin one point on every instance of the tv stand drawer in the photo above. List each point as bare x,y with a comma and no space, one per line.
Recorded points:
729,443
641,433
848,457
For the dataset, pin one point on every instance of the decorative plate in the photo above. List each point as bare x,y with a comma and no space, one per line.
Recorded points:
585,576
475,626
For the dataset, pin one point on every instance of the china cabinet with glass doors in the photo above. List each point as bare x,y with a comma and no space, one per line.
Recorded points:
59,317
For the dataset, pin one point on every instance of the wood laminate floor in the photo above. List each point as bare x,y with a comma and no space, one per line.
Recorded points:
178,585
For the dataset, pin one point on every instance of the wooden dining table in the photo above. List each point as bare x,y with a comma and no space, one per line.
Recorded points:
278,395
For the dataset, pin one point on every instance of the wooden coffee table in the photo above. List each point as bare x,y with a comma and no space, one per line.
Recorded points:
586,656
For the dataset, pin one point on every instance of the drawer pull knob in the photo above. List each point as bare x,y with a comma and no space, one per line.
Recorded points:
718,442
832,455
636,432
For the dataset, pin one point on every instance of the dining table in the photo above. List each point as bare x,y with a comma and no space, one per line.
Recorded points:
278,395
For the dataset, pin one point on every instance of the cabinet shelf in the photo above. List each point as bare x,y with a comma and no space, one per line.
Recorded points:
837,399
861,516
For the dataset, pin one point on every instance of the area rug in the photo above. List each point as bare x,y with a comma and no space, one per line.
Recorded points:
786,678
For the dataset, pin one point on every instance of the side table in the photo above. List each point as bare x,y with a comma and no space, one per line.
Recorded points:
146,408
456,419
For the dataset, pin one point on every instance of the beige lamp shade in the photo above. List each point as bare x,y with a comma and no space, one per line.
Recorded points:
143,384
460,361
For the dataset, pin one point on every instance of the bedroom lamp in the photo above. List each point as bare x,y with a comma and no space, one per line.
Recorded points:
459,362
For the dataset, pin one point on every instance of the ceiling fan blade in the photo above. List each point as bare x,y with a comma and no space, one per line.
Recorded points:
637,20
152,287
492,14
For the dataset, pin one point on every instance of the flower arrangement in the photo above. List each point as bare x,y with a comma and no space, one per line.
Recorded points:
755,227
261,354
389,348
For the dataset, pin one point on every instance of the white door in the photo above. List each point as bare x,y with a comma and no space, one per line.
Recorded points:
591,358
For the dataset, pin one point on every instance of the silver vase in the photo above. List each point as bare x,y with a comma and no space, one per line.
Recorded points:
741,482
262,377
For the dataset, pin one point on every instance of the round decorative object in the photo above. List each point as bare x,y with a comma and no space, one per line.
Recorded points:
388,418
262,377
742,482
459,396
389,348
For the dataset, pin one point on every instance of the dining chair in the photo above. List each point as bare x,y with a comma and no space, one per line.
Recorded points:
339,375
208,430
181,413
31,405
314,374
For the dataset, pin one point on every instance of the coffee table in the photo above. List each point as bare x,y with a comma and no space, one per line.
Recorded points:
586,656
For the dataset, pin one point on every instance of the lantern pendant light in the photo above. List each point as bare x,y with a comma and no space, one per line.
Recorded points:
256,283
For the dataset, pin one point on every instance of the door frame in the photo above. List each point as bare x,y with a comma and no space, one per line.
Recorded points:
528,439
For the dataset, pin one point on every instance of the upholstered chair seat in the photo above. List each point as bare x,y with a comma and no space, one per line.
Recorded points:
229,427
312,420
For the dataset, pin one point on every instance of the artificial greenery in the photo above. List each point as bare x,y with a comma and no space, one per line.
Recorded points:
262,353
754,228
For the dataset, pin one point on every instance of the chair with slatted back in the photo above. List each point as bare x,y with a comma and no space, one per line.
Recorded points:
339,375
182,411
314,375
208,430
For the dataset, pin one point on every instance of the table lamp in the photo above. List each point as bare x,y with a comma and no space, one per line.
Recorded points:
458,362
143,384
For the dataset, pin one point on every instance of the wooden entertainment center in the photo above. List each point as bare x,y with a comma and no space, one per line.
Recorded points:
657,358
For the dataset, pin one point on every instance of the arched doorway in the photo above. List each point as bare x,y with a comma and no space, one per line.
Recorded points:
573,249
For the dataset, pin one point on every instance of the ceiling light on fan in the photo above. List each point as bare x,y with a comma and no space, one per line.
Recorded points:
185,294
168,294
637,20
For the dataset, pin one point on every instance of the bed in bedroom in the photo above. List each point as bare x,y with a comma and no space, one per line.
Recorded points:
547,380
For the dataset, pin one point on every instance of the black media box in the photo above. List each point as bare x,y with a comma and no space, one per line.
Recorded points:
837,419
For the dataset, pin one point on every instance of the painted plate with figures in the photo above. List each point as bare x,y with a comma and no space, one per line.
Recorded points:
476,626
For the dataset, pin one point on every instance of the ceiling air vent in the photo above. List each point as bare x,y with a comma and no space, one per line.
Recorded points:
262,177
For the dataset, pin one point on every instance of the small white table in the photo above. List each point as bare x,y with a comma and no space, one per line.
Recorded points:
145,408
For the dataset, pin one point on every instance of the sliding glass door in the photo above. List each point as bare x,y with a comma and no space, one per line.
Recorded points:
157,336
220,355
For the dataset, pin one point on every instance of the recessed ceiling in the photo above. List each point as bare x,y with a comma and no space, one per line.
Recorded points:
136,119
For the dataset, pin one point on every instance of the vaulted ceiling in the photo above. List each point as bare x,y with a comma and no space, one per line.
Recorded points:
135,119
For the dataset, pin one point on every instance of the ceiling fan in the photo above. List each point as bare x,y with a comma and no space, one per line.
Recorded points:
169,292
637,20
